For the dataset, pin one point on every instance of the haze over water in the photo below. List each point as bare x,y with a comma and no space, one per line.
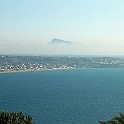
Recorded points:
95,27
83,27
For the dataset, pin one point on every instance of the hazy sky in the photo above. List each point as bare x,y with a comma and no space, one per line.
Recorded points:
96,27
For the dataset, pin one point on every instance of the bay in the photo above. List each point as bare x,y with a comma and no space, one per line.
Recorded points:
70,96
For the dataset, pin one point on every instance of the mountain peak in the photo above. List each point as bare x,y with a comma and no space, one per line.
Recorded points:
59,41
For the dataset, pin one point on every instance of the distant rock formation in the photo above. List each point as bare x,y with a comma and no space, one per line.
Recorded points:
59,41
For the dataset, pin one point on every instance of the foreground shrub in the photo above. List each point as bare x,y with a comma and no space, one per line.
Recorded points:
14,118
116,120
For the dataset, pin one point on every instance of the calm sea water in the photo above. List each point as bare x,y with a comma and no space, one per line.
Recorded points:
75,96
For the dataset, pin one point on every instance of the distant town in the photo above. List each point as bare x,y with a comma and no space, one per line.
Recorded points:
11,63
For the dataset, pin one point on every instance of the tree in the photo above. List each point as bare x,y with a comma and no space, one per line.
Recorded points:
14,118
116,120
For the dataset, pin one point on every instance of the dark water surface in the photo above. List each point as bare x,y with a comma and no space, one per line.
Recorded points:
74,96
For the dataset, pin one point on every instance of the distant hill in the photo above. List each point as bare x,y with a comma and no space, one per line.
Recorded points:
59,41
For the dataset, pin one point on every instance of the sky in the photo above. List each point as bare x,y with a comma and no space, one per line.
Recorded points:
96,27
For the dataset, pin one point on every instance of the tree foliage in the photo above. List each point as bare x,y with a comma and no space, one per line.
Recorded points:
116,120
14,118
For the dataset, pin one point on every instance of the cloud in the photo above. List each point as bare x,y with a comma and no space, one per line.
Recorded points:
77,48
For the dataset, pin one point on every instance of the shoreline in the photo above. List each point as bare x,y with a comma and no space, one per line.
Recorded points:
28,70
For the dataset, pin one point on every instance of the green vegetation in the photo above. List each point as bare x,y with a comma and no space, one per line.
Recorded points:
14,118
20,118
116,120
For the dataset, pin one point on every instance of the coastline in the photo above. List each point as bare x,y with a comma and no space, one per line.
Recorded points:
29,70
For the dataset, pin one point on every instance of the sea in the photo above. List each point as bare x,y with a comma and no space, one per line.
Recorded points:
68,96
